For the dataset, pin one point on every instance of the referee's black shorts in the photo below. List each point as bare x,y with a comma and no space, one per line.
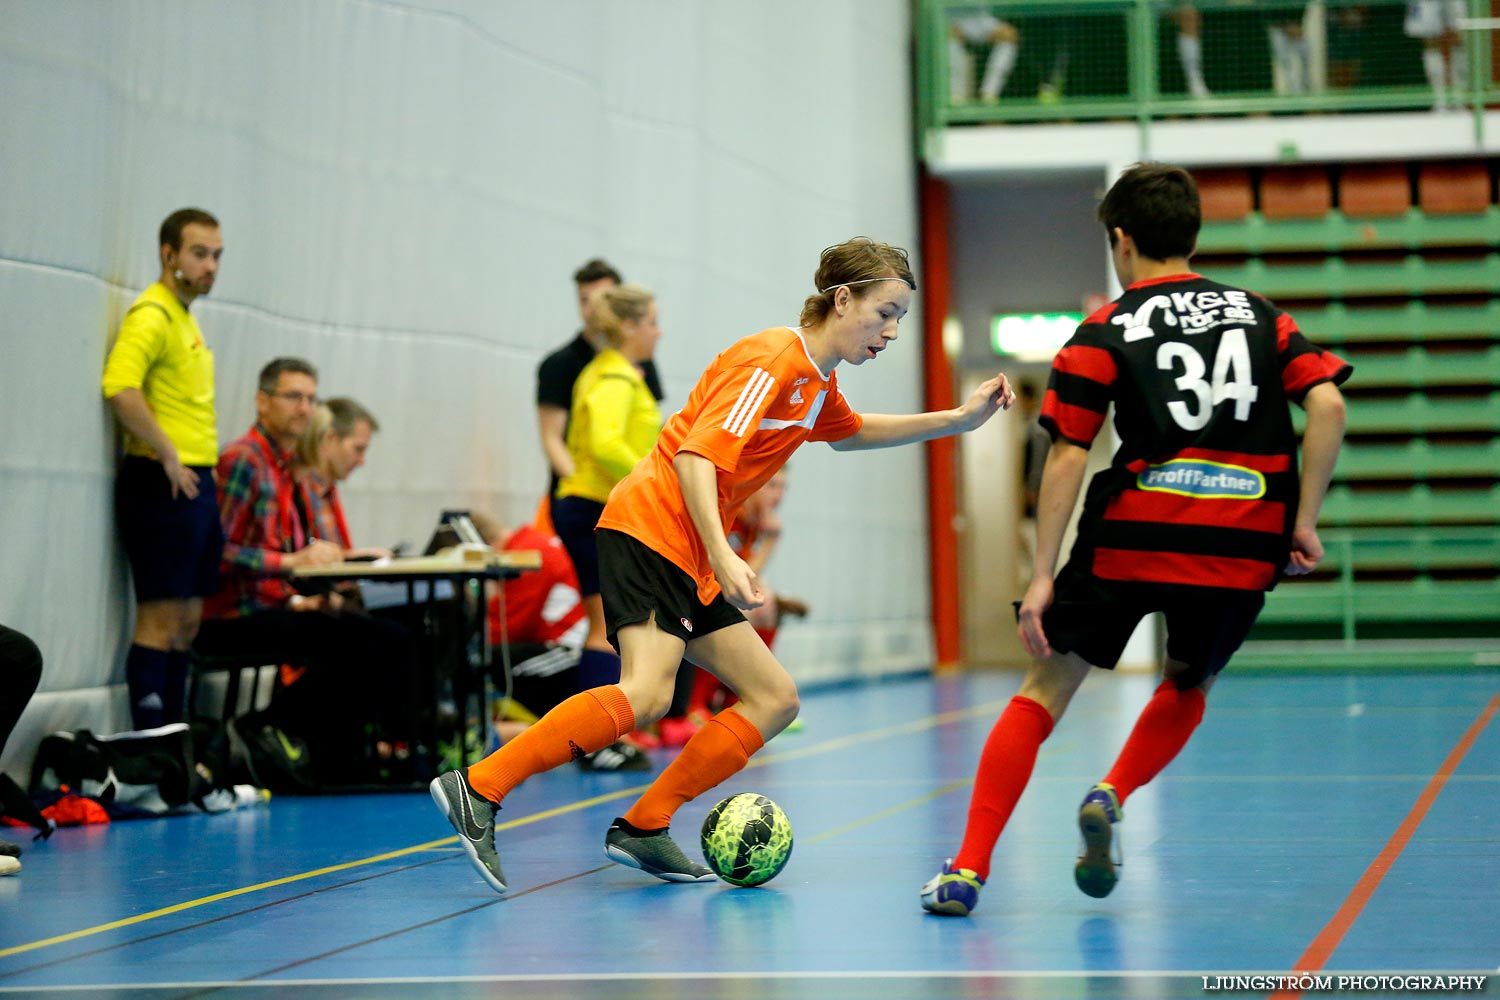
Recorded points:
637,582
173,544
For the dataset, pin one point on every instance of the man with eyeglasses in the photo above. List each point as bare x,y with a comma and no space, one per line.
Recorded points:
353,660
159,381
263,536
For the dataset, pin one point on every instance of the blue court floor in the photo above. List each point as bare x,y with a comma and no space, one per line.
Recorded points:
1346,823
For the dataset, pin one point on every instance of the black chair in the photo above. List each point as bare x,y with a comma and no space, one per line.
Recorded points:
233,665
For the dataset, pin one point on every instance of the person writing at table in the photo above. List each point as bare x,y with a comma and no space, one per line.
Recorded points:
357,668
334,445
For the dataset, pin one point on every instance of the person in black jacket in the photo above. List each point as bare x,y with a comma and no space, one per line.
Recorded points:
20,672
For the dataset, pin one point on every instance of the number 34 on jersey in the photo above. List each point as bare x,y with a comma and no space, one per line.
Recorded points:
1232,379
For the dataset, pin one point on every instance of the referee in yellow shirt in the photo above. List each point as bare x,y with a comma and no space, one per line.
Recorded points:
159,380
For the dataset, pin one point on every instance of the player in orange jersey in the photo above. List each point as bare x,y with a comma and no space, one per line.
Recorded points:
672,584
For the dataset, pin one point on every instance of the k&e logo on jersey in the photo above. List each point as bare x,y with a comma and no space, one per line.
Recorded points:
1192,312
1208,480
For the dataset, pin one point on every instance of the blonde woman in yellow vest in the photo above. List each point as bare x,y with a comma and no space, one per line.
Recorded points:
614,423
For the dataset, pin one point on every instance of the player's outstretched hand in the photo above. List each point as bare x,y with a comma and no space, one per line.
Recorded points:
994,394
1036,602
1307,552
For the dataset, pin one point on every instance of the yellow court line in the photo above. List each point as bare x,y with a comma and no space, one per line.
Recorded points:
827,746
936,793
230,894
871,735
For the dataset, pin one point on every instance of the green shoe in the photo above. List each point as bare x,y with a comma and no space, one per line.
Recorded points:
473,816
653,852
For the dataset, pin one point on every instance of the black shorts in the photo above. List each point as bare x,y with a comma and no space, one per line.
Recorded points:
637,582
1095,618
174,545
573,518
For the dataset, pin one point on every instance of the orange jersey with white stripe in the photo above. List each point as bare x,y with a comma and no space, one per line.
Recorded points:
757,402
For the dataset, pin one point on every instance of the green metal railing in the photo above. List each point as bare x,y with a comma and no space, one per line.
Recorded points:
1426,620
1076,60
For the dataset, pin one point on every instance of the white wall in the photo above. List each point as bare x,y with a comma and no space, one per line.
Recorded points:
405,189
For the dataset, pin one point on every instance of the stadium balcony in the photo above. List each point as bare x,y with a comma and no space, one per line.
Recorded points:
1132,79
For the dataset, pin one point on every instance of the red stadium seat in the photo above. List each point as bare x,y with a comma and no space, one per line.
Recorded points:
1295,193
1374,190
1454,188
1226,194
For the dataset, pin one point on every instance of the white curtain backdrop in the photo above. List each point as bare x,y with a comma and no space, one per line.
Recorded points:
405,189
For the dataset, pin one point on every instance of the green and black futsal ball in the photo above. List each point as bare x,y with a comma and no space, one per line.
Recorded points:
747,839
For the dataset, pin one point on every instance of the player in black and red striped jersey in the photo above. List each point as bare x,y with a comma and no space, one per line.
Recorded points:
1199,512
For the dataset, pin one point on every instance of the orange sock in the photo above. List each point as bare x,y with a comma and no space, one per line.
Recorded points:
1161,732
721,748
590,720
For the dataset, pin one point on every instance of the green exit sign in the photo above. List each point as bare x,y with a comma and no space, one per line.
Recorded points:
1032,336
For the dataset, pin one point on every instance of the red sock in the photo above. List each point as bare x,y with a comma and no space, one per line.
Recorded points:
1161,732
721,748
1004,769
704,686
590,720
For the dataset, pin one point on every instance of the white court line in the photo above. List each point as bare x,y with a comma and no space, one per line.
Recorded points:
923,974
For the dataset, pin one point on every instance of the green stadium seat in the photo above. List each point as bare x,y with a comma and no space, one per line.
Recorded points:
1418,459
1338,323
1338,231
1419,602
1416,551
1411,505
1422,367
1333,277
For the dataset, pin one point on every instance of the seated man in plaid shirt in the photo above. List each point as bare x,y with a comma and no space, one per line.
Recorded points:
346,671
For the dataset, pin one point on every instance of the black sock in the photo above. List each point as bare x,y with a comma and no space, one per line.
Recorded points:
146,676
174,687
